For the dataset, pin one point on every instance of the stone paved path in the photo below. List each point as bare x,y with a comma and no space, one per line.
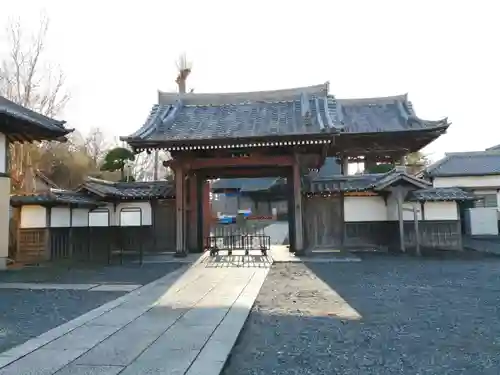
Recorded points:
171,326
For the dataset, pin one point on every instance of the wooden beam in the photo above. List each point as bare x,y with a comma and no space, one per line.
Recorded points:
251,161
275,171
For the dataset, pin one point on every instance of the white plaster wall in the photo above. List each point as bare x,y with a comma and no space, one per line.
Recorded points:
468,181
60,217
364,209
3,153
440,211
80,217
392,210
145,207
99,218
33,217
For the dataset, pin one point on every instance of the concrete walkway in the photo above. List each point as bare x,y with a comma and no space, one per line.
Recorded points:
175,325
278,232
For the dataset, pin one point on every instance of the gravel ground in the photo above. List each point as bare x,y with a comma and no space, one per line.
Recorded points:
90,274
28,313
416,316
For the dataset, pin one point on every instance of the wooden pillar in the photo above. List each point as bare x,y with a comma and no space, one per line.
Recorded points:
370,163
345,165
207,209
342,214
297,201
179,212
154,209
398,190
192,228
291,211
200,222
459,227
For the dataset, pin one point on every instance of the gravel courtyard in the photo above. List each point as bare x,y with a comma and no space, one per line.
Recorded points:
385,315
25,314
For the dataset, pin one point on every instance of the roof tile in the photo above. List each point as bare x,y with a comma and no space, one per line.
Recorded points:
130,190
477,163
33,118
55,196
440,194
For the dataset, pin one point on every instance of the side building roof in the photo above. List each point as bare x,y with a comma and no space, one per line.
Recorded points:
364,182
477,163
129,190
55,197
25,125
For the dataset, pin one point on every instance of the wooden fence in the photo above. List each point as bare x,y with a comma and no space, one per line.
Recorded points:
94,244
435,234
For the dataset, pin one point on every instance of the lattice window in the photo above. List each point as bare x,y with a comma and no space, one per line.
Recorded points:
486,200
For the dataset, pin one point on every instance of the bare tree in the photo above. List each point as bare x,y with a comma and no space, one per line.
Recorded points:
27,79
96,145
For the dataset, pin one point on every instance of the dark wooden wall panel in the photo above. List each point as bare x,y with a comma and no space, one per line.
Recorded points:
323,222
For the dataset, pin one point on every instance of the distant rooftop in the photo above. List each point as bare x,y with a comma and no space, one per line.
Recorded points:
475,163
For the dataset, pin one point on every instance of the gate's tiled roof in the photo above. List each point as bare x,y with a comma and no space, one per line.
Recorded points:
238,115
194,117
130,190
383,114
477,163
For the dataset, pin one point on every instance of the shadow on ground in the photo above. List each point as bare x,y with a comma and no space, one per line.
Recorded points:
385,315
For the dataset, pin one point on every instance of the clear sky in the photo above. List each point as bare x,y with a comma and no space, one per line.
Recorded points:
117,54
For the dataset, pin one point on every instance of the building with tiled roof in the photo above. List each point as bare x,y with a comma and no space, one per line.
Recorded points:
476,171
19,124
300,139
261,118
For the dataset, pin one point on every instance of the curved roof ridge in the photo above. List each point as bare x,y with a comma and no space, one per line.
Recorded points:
373,100
151,122
242,97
